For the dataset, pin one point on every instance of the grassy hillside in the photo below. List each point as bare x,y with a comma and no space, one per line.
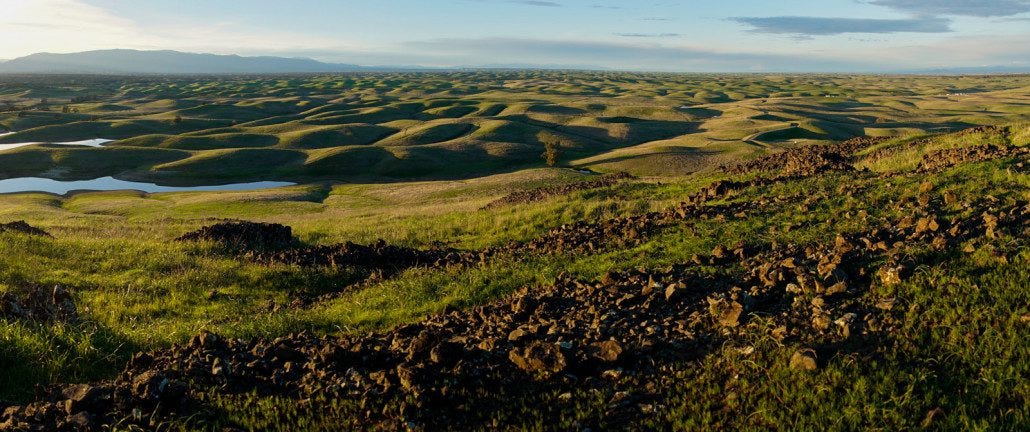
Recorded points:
873,288
464,125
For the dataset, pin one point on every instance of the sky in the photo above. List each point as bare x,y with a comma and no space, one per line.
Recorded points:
687,36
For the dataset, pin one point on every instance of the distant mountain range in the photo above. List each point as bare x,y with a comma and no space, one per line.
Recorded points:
124,61
131,62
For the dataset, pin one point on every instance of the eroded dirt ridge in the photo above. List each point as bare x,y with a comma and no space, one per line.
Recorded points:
244,235
542,193
806,160
379,255
942,159
23,228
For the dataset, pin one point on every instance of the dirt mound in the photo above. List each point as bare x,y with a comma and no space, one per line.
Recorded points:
24,228
540,194
806,160
39,304
946,158
990,129
378,255
616,336
244,235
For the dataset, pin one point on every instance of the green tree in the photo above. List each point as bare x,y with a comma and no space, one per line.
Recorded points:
552,149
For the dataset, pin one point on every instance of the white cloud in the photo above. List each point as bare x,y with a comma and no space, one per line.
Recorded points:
71,26
975,8
28,26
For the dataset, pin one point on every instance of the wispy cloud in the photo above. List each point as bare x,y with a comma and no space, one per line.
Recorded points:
635,56
818,26
649,35
73,25
79,25
536,3
975,8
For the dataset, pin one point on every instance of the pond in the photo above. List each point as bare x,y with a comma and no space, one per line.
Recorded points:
96,142
39,184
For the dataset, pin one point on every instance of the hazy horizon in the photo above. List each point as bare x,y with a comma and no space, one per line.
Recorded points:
734,36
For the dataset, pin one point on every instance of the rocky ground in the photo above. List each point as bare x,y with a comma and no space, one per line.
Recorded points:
39,304
539,194
622,336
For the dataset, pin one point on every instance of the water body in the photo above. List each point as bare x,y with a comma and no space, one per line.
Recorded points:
96,142
38,184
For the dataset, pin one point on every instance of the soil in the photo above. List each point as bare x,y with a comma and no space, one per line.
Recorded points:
540,194
23,228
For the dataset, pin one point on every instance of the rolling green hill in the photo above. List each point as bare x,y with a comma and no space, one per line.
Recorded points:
793,252
436,126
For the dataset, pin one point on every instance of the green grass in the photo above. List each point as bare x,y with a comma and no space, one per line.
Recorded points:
960,345
453,126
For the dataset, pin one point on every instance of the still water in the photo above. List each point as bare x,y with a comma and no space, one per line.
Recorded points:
96,142
38,184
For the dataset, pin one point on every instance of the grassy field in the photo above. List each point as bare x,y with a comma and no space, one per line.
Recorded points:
401,127
413,159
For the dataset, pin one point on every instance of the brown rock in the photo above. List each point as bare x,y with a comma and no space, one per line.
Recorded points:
950,198
837,288
842,245
608,351
80,421
671,292
487,344
516,334
927,224
890,274
542,358
82,397
406,377
420,345
820,320
726,313
445,353
886,304
804,360
149,385
846,324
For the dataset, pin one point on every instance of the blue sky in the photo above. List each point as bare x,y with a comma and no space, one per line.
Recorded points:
705,36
